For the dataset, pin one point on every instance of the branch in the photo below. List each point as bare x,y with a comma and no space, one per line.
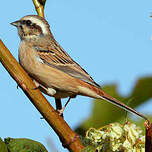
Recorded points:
39,6
148,139
69,138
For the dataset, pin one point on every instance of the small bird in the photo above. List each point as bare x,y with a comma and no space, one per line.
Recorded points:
51,68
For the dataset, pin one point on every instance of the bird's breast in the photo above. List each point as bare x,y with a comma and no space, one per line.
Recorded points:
27,58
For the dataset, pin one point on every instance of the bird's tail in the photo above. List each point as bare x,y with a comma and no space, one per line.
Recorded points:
97,93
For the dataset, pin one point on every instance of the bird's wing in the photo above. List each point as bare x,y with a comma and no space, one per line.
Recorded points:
56,57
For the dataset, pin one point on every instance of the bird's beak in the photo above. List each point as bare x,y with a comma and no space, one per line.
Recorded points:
16,23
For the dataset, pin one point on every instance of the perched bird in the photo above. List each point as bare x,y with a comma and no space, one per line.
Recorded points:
51,68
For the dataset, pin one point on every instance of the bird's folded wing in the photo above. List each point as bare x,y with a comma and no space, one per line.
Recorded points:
59,59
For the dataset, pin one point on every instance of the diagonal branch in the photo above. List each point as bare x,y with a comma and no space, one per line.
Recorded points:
69,138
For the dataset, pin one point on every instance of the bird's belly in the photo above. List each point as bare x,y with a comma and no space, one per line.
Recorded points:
49,77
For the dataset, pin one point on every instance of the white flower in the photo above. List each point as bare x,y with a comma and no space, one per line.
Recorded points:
117,137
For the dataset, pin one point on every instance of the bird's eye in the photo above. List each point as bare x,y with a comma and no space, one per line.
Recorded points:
28,22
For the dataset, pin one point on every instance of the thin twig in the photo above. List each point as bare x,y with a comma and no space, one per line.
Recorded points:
39,6
148,144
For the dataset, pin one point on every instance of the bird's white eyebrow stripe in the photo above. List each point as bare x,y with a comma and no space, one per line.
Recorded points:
39,23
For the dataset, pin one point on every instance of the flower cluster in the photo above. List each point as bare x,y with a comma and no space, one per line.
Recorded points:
117,138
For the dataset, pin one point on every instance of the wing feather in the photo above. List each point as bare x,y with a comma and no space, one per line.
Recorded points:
57,58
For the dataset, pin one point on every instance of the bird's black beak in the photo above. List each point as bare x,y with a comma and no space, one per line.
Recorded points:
16,23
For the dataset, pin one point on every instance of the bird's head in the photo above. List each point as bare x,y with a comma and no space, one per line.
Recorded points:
32,26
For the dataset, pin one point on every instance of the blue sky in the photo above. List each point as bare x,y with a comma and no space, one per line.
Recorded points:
110,39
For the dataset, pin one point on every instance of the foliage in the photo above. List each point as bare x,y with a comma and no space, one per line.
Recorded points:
3,147
24,145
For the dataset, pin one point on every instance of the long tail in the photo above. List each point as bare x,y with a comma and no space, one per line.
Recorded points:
120,104
100,94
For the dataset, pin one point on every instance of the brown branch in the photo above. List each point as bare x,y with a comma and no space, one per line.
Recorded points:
148,144
69,138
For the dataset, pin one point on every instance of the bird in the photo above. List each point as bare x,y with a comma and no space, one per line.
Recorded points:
52,69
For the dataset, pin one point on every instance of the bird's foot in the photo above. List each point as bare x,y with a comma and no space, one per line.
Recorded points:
60,111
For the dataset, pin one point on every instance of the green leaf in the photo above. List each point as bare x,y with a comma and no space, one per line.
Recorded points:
3,147
104,113
24,145
89,149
